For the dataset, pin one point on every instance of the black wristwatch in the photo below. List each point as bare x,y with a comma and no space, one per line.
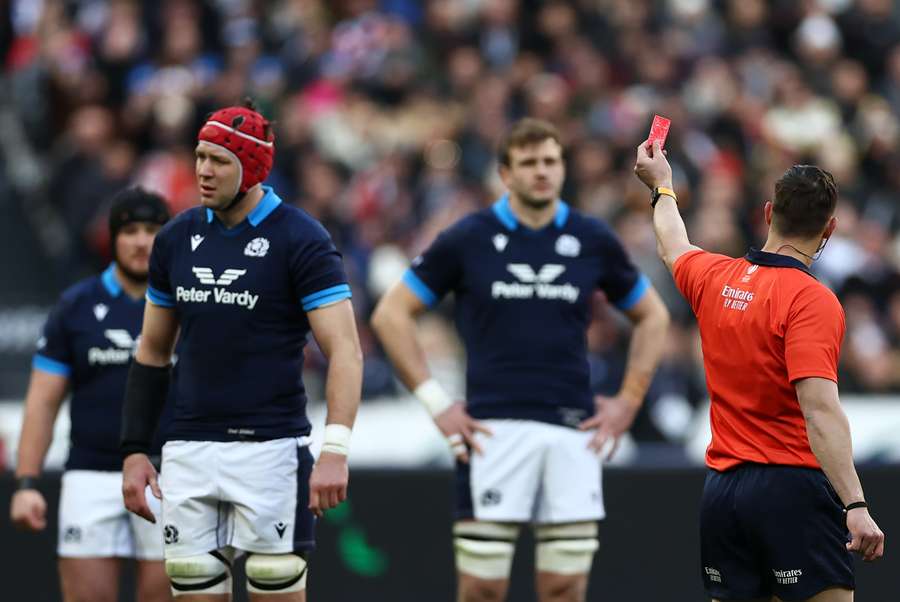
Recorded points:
27,482
658,192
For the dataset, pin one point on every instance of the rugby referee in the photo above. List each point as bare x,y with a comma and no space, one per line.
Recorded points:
782,507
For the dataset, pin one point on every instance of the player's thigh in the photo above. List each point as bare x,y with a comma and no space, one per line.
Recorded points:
571,488
836,594
90,579
93,521
501,484
195,521
267,484
152,583
801,523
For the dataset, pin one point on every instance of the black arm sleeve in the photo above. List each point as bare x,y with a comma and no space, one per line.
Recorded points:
145,396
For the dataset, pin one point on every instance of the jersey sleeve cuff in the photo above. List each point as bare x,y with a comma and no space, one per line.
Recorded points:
45,364
793,378
157,297
326,297
419,288
637,293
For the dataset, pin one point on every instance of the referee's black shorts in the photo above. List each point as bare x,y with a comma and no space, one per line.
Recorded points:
772,530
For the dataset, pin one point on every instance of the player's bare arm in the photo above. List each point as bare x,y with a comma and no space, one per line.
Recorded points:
149,375
652,168
829,438
394,322
334,328
616,414
28,509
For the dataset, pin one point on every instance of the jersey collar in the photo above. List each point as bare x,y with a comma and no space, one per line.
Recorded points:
774,260
264,207
110,282
506,216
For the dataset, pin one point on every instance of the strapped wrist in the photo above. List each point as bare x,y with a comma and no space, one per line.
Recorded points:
854,505
433,396
337,439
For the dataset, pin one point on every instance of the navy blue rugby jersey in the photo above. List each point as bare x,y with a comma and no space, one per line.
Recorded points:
523,305
89,338
242,296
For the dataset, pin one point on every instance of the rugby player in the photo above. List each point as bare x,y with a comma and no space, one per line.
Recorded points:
524,272
245,277
782,507
85,350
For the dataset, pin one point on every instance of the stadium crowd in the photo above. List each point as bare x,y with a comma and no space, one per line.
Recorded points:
387,114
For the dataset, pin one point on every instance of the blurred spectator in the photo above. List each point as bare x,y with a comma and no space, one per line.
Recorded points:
387,113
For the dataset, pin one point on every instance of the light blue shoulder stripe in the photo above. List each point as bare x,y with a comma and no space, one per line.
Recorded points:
45,364
637,293
419,288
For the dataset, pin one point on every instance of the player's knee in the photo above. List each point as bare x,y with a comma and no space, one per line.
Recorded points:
478,590
201,574
276,573
566,549
483,549
553,587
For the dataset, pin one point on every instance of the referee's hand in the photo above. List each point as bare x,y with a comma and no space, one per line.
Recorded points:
866,539
28,510
137,473
459,428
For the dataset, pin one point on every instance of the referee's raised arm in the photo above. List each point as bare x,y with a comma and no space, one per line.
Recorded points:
655,172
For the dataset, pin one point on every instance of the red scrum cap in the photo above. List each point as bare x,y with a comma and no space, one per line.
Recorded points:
247,136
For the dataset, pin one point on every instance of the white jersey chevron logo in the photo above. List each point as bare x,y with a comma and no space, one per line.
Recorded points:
206,276
119,337
547,274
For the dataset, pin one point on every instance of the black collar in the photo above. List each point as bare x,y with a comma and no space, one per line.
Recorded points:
774,260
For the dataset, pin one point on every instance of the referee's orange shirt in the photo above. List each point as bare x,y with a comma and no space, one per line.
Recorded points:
765,323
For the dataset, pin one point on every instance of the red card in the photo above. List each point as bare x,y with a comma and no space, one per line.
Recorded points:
659,130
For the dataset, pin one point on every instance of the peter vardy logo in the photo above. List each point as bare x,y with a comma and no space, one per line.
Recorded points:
205,276
118,355
219,294
533,284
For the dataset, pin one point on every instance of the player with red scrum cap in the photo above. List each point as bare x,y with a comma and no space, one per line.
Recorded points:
244,278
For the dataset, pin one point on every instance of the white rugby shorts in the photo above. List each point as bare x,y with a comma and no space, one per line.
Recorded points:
248,495
93,521
531,472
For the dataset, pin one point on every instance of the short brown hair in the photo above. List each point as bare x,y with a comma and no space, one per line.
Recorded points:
805,199
526,132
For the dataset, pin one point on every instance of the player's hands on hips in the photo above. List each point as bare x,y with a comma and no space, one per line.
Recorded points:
866,538
328,482
613,418
137,473
651,166
28,510
459,428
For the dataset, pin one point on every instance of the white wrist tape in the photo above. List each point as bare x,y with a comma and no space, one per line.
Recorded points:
433,396
337,439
